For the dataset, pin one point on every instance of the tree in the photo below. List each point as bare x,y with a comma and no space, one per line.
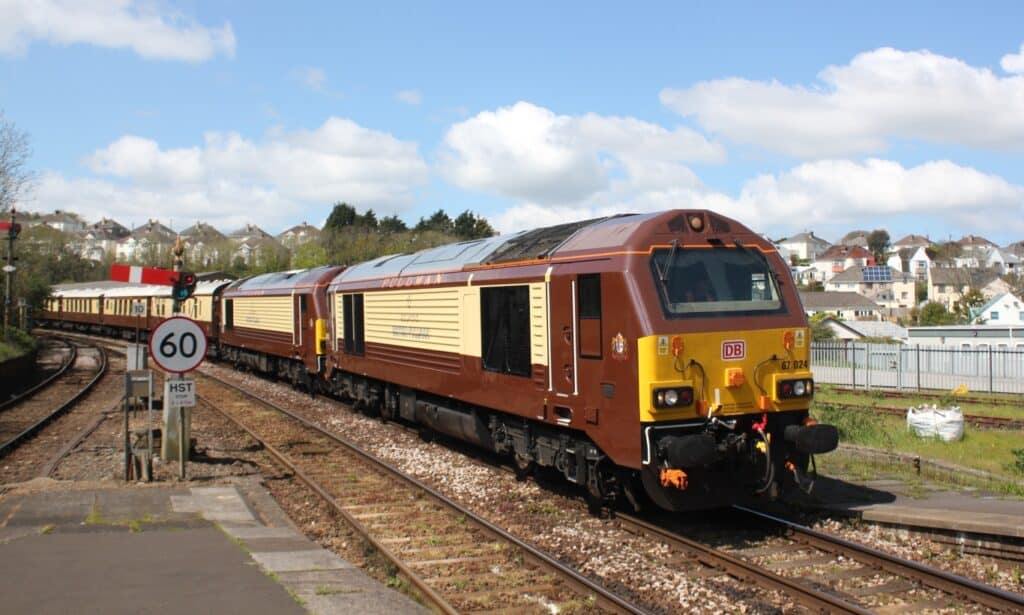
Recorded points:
971,299
934,314
439,222
878,243
820,330
308,255
392,224
341,216
471,226
15,178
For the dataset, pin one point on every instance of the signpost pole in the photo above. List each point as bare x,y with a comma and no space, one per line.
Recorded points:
9,268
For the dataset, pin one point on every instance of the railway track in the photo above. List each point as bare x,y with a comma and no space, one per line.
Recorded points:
455,560
827,573
991,401
36,408
977,420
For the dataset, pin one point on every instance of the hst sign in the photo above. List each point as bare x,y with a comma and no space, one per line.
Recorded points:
734,350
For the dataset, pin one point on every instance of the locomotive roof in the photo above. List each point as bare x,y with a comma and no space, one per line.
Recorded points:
282,282
110,289
620,232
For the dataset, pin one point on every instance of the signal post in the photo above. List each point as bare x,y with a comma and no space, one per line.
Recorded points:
177,345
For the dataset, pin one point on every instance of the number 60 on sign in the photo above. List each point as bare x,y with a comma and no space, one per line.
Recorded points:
177,345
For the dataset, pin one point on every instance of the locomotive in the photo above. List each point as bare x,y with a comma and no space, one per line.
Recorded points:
648,357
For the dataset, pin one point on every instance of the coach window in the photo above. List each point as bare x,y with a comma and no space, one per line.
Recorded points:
505,329
355,342
589,302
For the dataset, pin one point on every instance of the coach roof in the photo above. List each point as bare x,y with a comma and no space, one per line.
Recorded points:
283,282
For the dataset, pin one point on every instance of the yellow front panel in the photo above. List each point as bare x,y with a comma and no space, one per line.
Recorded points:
657,368
428,319
266,313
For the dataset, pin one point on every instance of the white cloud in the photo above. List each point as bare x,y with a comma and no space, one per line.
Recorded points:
530,153
410,97
229,179
858,108
144,27
312,77
827,195
1014,62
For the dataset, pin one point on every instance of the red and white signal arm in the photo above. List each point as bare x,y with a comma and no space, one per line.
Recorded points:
177,345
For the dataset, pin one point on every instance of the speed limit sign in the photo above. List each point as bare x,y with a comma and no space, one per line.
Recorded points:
177,345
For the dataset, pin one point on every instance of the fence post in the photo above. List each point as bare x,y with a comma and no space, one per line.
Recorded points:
853,384
899,368
991,372
918,367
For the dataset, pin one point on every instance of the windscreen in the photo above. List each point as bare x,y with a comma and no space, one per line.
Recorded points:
714,281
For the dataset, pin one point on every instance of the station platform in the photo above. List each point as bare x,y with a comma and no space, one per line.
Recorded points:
927,506
142,549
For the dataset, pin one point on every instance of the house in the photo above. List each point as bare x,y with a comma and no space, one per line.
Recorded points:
839,258
882,284
855,238
100,239
63,221
860,329
845,305
805,246
911,260
298,235
203,244
947,285
970,244
1003,309
910,242
1016,248
1002,261
150,242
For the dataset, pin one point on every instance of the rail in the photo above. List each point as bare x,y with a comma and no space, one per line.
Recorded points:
20,397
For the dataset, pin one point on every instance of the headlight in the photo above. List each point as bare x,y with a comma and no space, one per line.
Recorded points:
799,388
678,397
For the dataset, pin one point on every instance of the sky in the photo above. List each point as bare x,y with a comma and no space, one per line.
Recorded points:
787,116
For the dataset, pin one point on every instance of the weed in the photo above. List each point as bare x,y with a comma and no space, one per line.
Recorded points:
47,529
1017,466
324,590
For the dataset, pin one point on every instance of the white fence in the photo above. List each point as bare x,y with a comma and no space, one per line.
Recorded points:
868,366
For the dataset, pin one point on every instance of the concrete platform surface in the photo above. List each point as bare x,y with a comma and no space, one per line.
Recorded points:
65,549
892,501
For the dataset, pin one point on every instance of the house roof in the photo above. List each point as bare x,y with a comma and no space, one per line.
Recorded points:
877,328
914,241
200,231
843,252
974,278
106,229
974,241
1016,247
154,231
878,273
805,237
855,238
298,229
249,231
991,303
831,300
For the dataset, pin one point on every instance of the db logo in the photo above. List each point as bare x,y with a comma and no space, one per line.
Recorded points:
733,350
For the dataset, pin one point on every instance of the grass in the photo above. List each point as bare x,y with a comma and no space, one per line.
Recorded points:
825,394
999,452
16,344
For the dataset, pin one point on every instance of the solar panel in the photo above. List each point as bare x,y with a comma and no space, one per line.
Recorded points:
880,273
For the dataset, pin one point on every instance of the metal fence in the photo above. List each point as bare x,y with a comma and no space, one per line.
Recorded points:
995,370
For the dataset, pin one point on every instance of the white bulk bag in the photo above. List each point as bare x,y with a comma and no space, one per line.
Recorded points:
944,423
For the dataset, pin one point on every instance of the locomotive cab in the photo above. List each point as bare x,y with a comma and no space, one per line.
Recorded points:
724,378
